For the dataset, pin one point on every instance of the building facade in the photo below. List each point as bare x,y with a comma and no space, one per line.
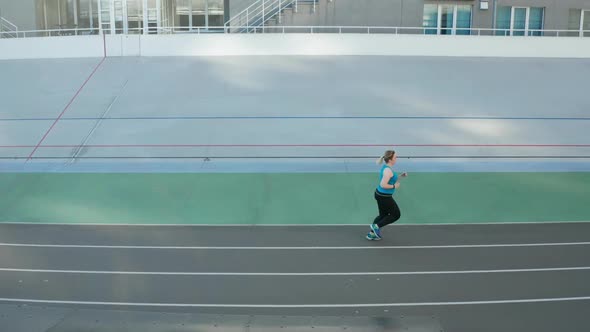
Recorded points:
455,17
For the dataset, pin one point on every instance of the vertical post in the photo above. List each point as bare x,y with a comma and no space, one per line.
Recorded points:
76,17
582,23
526,22
158,15
206,15
541,33
59,13
439,20
263,2
99,15
494,11
90,15
511,20
165,22
173,14
45,13
112,15
454,29
296,5
401,13
145,17
190,15
125,15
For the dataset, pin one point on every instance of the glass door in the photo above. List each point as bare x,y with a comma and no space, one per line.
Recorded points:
519,21
463,24
446,19
535,21
430,19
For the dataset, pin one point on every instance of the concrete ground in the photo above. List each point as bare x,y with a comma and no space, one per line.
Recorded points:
265,165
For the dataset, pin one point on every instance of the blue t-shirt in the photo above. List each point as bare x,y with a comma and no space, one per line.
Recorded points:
392,181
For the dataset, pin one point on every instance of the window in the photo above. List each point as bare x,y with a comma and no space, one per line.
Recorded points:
61,14
430,19
580,21
536,17
520,21
447,19
463,25
200,13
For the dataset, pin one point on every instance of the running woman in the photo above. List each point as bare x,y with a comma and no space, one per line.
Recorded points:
388,183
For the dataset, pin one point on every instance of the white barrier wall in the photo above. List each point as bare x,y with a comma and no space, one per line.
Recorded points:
51,47
123,45
294,44
361,44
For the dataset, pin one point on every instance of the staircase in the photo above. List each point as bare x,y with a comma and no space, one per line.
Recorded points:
263,13
7,29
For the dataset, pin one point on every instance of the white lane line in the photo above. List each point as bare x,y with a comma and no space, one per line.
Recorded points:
374,247
474,223
299,274
294,306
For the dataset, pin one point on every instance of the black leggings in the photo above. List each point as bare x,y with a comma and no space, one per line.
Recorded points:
388,210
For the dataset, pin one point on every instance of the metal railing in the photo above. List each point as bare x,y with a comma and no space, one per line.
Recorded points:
97,31
415,31
306,30
168,30
258,13
50,33
7,29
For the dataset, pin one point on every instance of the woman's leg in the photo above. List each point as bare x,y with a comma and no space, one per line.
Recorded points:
393,212
383,208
